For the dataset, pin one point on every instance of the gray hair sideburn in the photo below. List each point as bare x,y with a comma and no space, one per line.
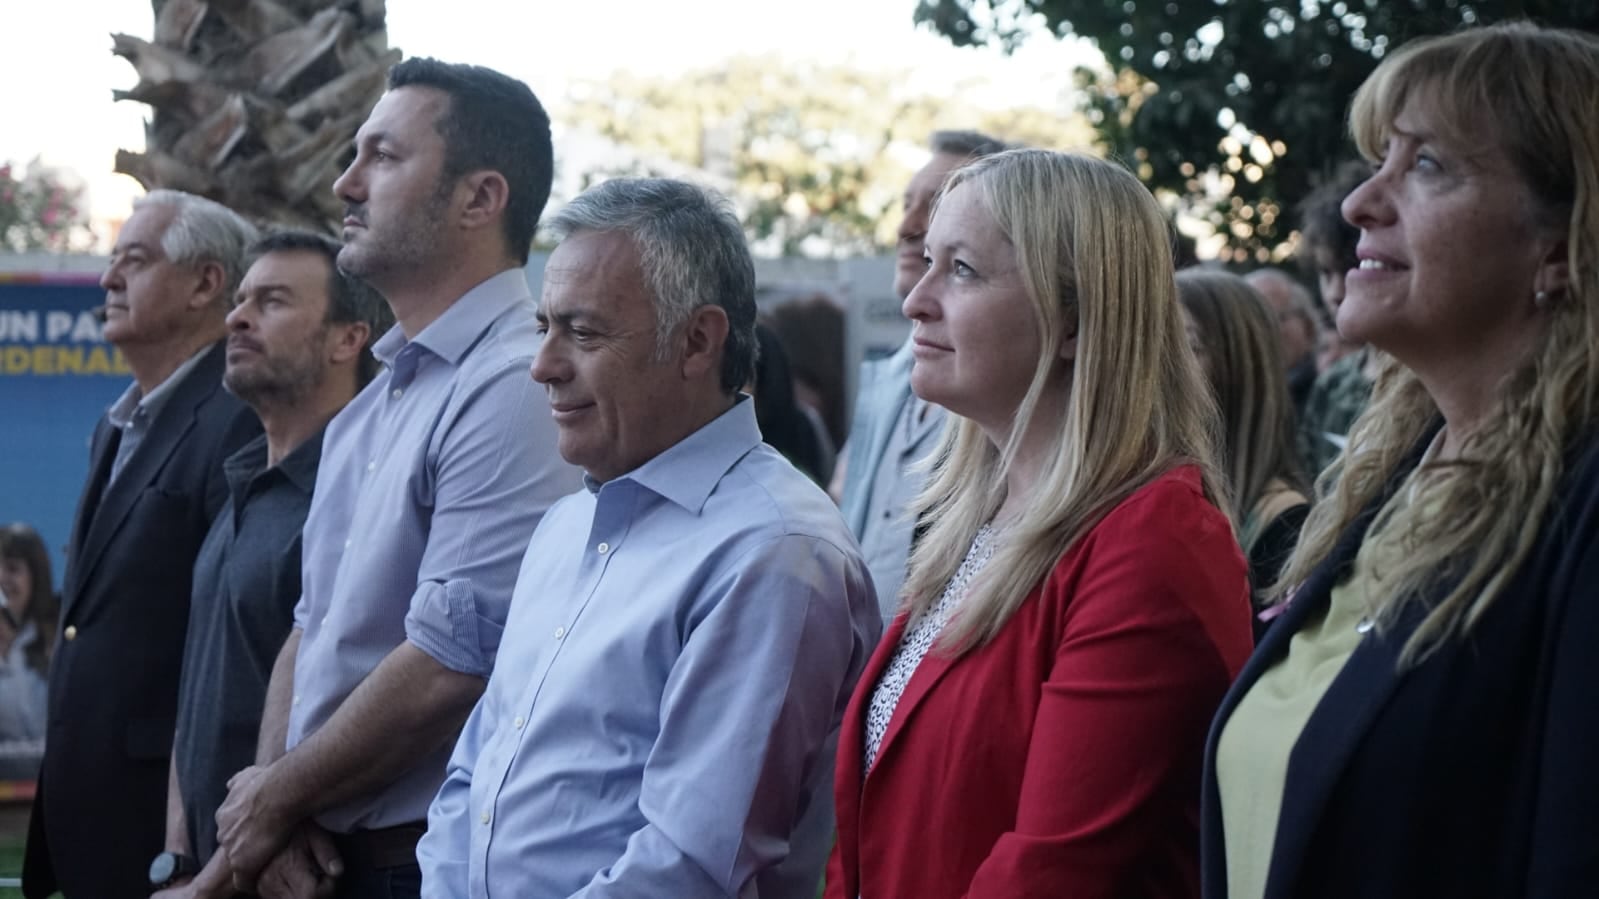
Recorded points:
693,253
203,231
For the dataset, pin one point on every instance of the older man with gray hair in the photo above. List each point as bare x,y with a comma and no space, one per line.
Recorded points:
685,631
155,483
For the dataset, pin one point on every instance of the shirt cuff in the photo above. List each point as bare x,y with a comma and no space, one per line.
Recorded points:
448,622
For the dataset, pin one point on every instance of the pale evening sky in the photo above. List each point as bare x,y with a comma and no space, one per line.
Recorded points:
58,72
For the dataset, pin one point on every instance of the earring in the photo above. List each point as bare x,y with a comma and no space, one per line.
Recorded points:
1541,299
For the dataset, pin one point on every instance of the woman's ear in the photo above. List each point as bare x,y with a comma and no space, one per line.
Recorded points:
1068,340
1554,273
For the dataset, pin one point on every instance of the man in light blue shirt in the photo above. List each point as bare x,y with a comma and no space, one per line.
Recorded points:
686,630
431,482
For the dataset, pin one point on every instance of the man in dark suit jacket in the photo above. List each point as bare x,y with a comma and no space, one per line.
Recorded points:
155,482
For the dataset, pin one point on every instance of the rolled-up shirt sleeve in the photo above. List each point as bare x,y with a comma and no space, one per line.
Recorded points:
494,476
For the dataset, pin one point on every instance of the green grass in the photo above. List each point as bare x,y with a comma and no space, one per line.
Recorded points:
11,863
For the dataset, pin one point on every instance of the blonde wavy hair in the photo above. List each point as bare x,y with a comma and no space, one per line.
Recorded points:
1536,92
1094,249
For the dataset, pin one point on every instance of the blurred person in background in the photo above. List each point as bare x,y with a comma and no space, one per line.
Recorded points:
812,331
1327,247
1421,721
892,429
1031,724
1298,328
783,423
1234,333
27,630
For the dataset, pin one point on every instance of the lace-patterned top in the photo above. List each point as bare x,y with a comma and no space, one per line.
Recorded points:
917,639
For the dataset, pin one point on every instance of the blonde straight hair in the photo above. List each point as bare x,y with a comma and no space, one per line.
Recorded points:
1094,249
1536,92
1250,383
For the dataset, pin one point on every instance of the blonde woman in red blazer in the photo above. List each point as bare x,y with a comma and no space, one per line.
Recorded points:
1033,723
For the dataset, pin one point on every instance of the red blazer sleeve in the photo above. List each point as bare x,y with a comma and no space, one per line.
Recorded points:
1155,627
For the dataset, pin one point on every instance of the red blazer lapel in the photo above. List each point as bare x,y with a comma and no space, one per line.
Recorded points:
928,673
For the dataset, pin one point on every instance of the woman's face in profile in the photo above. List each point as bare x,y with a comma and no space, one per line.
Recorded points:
975,338
1450,247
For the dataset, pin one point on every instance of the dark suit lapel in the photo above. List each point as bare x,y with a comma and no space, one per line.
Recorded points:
102,453
1330,737
1310,599
167,431
1332,733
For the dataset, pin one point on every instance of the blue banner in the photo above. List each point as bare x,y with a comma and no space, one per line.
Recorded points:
57,376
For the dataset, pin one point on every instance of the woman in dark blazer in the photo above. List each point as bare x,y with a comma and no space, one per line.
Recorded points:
1032,724
1422,721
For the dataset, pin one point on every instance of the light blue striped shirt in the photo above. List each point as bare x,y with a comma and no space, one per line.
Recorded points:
664,718
431,482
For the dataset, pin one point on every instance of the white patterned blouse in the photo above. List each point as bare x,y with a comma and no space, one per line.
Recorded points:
916,641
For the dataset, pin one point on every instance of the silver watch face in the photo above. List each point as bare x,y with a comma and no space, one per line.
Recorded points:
162,868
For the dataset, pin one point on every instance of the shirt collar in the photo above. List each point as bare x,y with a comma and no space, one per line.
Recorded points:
134,401
299,466
453,333
687,472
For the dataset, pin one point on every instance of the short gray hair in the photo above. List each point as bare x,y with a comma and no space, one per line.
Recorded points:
968,144
693,253
204,231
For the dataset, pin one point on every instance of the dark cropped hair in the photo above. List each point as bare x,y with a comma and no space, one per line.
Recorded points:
1322,228
22,543
493,122
350,299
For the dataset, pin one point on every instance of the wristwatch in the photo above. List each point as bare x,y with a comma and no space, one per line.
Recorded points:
169,867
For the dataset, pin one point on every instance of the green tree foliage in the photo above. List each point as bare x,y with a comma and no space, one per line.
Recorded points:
1236,105
816,156
40,211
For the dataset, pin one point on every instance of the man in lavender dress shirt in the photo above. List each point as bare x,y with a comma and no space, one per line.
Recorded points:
687,629
431,482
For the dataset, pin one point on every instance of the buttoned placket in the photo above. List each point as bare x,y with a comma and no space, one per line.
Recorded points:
613,509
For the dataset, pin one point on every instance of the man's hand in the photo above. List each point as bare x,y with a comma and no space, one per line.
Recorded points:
183,889
251,826
305,869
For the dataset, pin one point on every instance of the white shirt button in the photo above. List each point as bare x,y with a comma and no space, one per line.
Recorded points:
348,543
484,817
519,722
560,632
296,700
372,466
603,548
397,392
